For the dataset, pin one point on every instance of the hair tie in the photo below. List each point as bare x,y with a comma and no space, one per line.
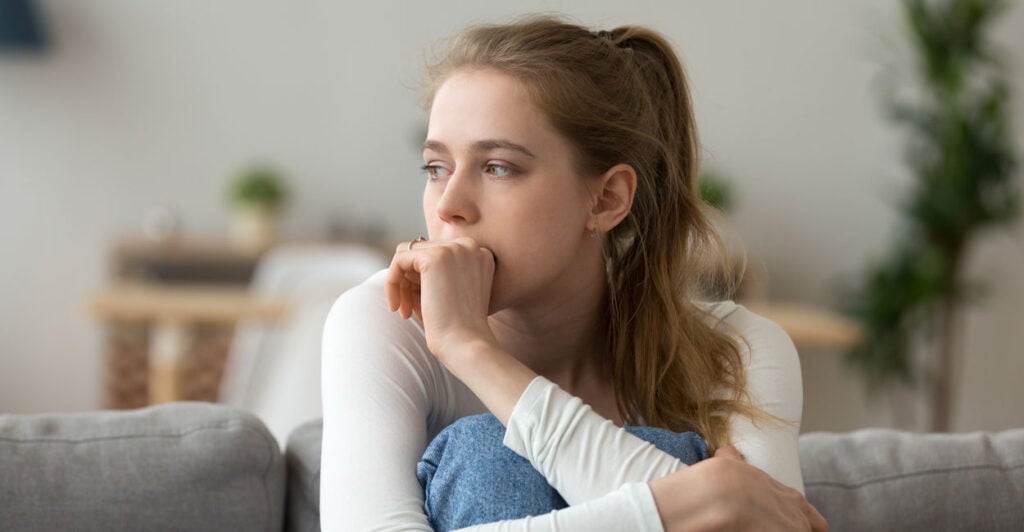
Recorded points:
611,38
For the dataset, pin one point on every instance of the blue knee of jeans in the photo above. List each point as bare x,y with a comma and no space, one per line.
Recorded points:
469,477
688,447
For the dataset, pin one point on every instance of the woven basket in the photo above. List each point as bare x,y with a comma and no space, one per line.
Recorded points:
127,378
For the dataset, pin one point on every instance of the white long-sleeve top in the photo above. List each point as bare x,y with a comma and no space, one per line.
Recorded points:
385,397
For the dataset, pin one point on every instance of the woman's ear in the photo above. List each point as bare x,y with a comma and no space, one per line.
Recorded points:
614,197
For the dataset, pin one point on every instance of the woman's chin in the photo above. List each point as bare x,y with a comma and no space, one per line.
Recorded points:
500,297
496,304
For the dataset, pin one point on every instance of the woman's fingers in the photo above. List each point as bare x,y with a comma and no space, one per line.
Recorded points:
393,286
403,279
764,503
808,514
392,289
406,305
728,451
818,522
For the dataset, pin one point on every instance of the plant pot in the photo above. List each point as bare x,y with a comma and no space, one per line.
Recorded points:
253,227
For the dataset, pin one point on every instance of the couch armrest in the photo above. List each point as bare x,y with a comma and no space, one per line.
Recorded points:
179,466
877,479
303,456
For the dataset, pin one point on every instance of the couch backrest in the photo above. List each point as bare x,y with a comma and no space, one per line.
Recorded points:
879,479
197,466
183,466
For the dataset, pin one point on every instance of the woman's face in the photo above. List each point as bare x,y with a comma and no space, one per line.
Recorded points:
498,172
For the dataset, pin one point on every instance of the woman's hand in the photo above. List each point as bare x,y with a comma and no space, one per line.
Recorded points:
447,284
726,493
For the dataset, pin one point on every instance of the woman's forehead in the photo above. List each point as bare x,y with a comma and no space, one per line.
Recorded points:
476,105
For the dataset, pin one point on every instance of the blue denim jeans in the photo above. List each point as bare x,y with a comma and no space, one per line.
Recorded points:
469,477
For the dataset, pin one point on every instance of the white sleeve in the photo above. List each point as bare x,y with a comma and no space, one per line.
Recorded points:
375,404
583,455
775,385
630,508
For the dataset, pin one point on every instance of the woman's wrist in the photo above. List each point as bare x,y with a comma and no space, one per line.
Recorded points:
464,350
496,377
671,506
678,497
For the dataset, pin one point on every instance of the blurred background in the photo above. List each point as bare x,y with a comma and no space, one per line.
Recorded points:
133,136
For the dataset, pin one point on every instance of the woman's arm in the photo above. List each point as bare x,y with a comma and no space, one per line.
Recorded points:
552,428
775,385
631,508
381,391
588,459
448,283
584,455
375,390
721,493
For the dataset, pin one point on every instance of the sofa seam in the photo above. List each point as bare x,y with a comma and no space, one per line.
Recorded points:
902,476
184,432
305,493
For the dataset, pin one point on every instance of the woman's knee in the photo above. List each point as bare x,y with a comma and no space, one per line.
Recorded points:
470,477
688,447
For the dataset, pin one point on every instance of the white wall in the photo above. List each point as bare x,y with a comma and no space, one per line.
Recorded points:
146,103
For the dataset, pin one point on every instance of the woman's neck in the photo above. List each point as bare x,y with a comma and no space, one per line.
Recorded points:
563,337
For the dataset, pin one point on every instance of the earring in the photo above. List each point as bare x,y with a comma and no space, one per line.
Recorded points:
593,232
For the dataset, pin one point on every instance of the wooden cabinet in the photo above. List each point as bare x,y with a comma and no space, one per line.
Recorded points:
169,310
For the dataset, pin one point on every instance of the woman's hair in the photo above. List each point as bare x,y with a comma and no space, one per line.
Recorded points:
621,96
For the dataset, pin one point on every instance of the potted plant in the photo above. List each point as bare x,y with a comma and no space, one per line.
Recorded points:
257,196
715,190
960,150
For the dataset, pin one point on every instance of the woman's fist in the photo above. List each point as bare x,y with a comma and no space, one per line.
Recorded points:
447,285
726,493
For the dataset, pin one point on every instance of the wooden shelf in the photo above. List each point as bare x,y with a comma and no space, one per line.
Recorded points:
809,326
128,301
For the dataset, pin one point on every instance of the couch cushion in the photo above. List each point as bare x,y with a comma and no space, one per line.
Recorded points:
879,479
180,466
303,457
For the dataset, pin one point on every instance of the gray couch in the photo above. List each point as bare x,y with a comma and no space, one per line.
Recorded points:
197,466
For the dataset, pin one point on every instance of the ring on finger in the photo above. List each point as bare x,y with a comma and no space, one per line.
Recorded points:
411,242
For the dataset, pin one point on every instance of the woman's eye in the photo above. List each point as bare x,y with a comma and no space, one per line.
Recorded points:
434,172
498,170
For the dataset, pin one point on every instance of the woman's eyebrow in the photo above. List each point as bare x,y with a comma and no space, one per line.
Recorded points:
494,144
482,146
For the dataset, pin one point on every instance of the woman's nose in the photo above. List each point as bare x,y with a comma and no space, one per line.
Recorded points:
458,202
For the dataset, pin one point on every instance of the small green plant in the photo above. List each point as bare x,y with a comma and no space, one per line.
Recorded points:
715,190
258,185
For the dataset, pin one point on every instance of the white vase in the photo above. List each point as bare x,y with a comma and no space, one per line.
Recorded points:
253,227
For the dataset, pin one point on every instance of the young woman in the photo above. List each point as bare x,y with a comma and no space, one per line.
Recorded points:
559,292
